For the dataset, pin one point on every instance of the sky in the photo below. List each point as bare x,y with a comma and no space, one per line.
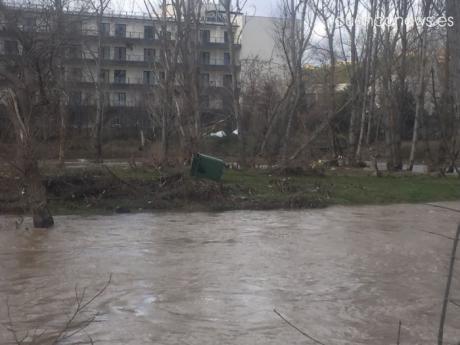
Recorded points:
265,8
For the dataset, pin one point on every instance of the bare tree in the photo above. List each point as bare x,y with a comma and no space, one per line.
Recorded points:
368,63
328,13
421,83
349,9
293,33
26,93
189,45
98,7
232,10
165,17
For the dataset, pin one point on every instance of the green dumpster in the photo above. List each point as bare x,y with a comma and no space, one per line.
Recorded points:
207,167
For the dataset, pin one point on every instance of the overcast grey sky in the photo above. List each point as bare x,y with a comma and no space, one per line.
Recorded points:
264,8
261,7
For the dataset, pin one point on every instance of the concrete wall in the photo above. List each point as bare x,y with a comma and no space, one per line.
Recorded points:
258,40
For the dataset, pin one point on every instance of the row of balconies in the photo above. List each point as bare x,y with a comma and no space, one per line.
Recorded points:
207,40
142,60
138,58
142,83
121,99
138,35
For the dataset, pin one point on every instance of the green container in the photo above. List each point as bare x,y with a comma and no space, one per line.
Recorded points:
207,167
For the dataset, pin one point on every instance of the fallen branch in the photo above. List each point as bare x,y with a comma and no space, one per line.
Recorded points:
440,235
448,284
81,305
455,303
444,208
297,329
74,324
398,340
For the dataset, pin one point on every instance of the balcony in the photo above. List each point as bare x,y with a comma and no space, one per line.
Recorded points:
112,60
218,42
128,35
129,103
216,64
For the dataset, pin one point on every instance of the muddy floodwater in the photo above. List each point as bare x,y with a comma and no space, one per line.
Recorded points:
343,275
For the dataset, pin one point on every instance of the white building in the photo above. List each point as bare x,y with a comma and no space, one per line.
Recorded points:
130,57
258,40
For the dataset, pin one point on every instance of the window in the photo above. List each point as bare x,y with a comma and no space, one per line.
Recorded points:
205,101
120,53
89,98
226,58
75,98
76,74
167,35
106,98
105,75
149,54
121,98
29,24
119,76
205,58
204,78
105,29
228,80
162,75
149,34
105,52
74,52
226,37
120,30
116,123
11,48
147,78
216,103
76,26
205,36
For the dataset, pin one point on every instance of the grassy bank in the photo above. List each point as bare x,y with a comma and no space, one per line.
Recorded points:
130,190
356,187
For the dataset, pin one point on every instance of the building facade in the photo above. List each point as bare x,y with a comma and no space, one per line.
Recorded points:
130,65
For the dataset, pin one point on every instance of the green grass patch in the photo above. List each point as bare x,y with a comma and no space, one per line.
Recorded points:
352,189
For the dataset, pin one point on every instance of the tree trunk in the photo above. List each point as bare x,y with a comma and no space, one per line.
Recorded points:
164,138
420,102
99,97
236,106
367,70
35,190
62,131
354,85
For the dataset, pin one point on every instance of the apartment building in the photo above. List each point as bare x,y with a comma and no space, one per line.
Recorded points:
130,64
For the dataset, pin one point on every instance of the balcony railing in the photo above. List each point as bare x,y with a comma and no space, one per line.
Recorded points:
214,40
127,34
129,58
216,62
123,103
212,83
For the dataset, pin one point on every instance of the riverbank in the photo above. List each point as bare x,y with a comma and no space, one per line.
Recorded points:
128,189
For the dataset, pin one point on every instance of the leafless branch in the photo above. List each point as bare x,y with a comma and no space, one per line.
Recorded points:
297,328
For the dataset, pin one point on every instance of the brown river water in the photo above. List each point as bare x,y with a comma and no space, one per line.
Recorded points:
343,275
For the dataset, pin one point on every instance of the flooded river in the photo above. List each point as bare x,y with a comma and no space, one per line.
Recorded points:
343,275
